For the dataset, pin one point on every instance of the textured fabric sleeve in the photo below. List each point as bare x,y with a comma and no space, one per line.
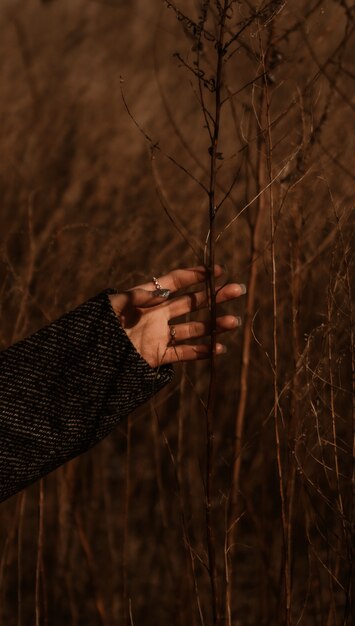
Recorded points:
64,388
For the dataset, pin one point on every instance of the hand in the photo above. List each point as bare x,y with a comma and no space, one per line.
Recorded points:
146,317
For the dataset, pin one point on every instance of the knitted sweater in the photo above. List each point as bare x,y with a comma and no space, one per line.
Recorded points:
65,388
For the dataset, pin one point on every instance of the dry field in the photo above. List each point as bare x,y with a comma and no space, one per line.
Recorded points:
118,536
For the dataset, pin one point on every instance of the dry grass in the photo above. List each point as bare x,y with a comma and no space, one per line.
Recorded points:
118,536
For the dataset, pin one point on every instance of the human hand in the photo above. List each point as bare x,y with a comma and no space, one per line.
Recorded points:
146,316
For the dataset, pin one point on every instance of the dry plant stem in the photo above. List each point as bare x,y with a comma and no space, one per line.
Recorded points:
286,617
244,373
181,425
179,134
131,622
163,511
66,499
99,602
351,593
324,71
110,523
22,498
296,385
25,287
210,262
332,405
349,614
125,547
39,564
170,213
187,543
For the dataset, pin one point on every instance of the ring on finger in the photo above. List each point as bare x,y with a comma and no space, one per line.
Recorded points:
156,283
172,333
159,290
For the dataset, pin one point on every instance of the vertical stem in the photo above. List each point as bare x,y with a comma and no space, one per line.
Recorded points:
22,498
179,600
39,553
284,517
349,614
332,404
85,544
351,592
286,569
213,313
125,598
245,360
295,420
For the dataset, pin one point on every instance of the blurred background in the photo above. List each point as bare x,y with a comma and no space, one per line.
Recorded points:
104,154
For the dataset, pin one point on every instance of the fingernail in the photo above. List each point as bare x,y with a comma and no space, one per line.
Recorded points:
222,349
161,293
243,288
238,320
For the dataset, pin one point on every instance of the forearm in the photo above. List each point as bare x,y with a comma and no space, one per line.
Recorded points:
64,388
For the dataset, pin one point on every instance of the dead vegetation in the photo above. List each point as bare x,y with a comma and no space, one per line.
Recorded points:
120,536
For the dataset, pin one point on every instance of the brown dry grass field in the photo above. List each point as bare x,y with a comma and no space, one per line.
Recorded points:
118,536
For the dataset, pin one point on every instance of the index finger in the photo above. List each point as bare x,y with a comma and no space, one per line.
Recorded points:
183,278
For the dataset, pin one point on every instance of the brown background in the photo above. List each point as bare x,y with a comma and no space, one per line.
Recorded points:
80,212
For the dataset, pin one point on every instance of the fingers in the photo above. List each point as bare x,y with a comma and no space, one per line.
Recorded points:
176,354
182,278
194,330
193,301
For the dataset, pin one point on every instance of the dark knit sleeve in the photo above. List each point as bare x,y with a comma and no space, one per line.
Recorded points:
64,388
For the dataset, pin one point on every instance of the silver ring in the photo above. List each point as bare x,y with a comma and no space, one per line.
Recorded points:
172,332
156,283
160,292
